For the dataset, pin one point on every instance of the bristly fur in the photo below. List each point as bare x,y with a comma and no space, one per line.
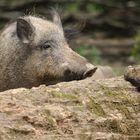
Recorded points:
53,11
34,52
71,33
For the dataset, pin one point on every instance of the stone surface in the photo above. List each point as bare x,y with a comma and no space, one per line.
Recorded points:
106,109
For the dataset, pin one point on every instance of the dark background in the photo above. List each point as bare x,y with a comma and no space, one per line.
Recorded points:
109,28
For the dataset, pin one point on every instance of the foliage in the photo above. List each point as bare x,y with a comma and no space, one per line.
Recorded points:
136,49
94,7
89,52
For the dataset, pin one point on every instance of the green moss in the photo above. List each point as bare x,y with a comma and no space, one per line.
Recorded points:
122,108
95,107
120,100
81,108
107,91
50,120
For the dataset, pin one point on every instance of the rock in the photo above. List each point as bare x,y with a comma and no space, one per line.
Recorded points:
87,109
103,72
132,74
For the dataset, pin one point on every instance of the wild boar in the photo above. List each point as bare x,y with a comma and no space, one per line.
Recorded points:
34,51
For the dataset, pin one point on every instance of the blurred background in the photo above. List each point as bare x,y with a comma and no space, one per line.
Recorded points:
110,29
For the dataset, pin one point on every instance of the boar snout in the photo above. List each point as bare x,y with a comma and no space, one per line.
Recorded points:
79,75
90,71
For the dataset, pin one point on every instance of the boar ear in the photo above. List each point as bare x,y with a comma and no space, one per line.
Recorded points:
56,18
24,30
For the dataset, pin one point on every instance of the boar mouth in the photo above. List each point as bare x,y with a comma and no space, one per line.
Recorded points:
70,75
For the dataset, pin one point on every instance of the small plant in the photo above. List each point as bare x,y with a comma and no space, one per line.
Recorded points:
135,54
92,7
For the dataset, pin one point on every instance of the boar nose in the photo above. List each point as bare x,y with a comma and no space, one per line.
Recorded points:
90,70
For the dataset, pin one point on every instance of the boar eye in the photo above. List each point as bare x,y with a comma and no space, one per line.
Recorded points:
46,45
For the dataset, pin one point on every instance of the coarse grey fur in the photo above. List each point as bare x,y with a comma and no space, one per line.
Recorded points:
34,51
